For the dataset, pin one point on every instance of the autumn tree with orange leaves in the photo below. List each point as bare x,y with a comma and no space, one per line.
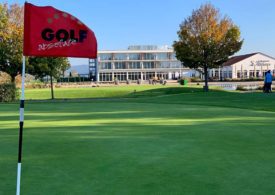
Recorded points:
11,39
207,40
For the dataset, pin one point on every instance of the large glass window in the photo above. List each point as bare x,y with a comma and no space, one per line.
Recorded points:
106,56
173,56
105,65
121,76
134,56
162,75
245,74
148,56
176,65
239,74
148,75
216,73
251,74
164,65
148,65
120,65
105,76
162,56
120,56
230,74
257,73
134,65
134,76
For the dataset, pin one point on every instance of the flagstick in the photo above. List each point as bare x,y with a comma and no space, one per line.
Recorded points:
21,123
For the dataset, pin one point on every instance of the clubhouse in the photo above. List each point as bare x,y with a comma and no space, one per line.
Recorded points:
253,65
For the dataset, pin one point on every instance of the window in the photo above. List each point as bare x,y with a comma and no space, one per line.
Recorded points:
162,75
120,56
105,56
148,65
239,75
105,65
162,56
120,65
148,75
164,65
134,65
121,76
105,77
176,65
173,56
230,74
134,56
251,74
257,73
245,75
216,73
134,76
148,56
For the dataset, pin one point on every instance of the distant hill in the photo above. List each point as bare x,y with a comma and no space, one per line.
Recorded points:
80,69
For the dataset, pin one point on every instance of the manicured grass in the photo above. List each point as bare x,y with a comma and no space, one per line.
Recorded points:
109,92
181,142
92,92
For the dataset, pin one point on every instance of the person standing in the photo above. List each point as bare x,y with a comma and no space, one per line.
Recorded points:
267,82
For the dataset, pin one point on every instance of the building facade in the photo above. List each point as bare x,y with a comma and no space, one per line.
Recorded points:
152,62
253,65
139,63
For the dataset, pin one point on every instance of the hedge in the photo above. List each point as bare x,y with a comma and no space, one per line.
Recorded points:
74,79
8,92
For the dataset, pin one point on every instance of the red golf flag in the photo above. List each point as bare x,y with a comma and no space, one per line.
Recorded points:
50,32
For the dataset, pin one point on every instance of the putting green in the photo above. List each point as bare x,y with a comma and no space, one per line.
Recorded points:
126,147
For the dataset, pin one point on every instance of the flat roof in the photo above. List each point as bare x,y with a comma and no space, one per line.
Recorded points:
135,51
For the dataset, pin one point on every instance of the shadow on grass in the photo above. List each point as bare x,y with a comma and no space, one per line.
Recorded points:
169,91
134,93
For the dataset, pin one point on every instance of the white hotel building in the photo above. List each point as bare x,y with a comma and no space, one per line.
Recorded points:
147,62
139,63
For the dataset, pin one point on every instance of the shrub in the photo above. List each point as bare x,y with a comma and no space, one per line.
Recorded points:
241,88
8,92
260,88
195,79
183,81
36,85
74,79
4,77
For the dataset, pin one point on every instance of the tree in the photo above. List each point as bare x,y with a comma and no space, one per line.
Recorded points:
206,40
47,66
11,39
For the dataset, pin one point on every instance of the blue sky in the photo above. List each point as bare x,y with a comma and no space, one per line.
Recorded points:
120,23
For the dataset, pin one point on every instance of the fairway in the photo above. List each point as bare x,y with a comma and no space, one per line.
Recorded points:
185,143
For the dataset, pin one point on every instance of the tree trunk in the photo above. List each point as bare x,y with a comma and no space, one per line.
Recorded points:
205,87
13,79
52,87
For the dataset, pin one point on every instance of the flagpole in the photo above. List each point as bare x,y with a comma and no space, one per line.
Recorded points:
21,124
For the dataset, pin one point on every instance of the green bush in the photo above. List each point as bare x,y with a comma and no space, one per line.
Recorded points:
183,81
8,92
